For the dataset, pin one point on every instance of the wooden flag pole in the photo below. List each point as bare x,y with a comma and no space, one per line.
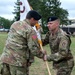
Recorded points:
46,61
40,43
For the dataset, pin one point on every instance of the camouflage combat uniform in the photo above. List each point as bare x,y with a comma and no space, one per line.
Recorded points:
60,52
20,48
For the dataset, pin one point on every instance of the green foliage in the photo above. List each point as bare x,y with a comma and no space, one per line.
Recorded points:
17,10
5,23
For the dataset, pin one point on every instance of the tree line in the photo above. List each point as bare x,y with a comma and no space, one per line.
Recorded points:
45,7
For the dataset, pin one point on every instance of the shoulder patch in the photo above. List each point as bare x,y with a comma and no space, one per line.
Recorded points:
34,37
64,43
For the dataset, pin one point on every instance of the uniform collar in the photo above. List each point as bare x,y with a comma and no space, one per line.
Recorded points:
55,35
55,32
27,21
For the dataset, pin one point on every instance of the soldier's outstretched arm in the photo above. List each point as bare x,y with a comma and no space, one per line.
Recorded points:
33,44
62,52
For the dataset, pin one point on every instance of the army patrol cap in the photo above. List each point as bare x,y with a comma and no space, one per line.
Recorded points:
52,18
34,14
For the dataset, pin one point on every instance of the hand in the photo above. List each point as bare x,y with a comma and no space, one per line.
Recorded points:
45,57
44,52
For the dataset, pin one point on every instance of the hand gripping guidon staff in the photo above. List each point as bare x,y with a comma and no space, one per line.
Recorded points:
40,43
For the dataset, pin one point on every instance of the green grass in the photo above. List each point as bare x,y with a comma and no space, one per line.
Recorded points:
39,67
2,40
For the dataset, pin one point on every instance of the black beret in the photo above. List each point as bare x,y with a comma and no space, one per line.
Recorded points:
52,18
34,14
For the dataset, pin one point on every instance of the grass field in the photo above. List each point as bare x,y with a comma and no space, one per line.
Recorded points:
39,67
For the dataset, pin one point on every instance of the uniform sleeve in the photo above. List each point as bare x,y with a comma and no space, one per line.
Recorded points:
45,41
33,44
64,46
63,50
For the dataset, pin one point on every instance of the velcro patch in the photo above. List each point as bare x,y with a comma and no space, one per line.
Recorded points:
34,37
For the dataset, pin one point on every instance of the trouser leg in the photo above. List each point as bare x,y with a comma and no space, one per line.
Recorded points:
64,71
14,70
17,70
5,70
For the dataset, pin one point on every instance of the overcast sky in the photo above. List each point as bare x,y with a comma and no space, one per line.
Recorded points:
7,7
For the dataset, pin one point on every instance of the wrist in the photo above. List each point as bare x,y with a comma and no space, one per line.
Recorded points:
48,58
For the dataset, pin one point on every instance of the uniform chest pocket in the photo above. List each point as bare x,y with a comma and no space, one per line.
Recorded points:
54,43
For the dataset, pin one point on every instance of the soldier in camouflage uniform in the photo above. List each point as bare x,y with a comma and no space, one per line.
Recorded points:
59,43
21,46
